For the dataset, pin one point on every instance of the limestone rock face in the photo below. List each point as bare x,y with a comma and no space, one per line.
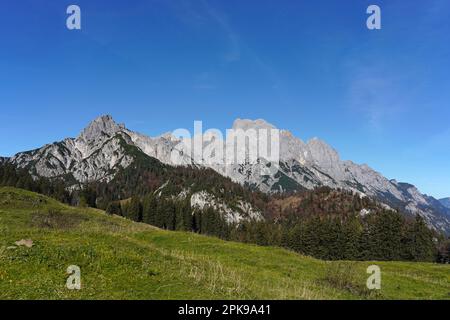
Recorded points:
243,211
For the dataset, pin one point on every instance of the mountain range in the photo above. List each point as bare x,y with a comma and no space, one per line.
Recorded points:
103,148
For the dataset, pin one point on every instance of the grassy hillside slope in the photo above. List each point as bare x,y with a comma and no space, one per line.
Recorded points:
120,259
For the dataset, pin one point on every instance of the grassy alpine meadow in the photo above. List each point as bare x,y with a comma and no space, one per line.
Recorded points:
120,259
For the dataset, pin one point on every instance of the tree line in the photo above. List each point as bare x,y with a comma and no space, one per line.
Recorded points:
379,235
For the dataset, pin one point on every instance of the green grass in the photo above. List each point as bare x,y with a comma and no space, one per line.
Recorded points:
120,259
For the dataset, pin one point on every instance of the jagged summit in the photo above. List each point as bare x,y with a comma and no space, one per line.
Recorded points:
246,124
104,124
323,153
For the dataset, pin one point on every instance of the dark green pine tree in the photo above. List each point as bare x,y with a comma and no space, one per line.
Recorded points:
365,243
149,209
188,219
166,214
197,221
419,241
133,210
310,237
180,216
351,234
387,236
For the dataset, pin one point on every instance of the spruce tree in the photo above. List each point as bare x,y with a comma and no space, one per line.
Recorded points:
149,209
420,241
133,211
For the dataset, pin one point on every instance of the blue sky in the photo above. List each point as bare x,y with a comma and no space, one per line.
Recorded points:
378,97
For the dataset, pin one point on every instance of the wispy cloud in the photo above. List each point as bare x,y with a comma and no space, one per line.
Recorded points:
376,93
234,47
202,13
383,85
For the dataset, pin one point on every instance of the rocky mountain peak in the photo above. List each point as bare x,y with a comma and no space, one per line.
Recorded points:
322,153
102,125
246,124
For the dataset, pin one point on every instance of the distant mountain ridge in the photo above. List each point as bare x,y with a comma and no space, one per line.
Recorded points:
102,149
445,202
